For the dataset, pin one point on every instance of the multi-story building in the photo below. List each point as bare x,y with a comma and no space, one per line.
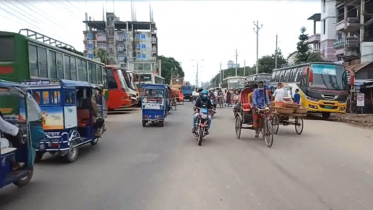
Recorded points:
232,65
130,44
314,39
354,29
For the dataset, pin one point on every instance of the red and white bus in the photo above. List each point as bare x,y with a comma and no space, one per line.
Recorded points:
118,94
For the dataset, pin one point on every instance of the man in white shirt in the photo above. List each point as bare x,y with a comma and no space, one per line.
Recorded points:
280,93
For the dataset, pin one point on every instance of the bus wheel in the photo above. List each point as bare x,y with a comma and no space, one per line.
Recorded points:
325,115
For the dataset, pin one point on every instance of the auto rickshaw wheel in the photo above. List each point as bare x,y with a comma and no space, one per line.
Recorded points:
72,154
143,123
38,156
95,141
24,181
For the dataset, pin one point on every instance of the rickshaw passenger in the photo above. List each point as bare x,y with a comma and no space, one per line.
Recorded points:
13,134
260,100
250,95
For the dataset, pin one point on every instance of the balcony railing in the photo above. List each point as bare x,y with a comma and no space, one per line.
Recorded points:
339,44
351,25
314,38
352,42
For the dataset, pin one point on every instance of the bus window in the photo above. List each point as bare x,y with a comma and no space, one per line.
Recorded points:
33,59
7,51
286,75
67,67
90,72
46,97
42,57
73,75
56,97
104,73
292,75
36,96
52,65
111,80
94,73
298,74
99,74
59,64
82,70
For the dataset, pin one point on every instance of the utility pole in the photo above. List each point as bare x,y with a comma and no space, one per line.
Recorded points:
276,53
197,70
244,68
220,74
236,55
256,30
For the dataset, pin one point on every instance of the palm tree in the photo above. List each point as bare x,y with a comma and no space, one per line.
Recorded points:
103,55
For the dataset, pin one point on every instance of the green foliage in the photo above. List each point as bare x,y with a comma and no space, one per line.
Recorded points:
103,55
170,65
315,57
302,47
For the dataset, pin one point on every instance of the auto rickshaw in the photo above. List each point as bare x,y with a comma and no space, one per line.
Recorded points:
155,103
68,120
17,160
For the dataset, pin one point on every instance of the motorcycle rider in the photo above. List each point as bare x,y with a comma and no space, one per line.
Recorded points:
202,102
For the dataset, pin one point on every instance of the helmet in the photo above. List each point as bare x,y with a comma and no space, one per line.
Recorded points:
204,94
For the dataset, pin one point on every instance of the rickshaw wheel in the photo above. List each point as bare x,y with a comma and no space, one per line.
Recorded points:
38,156
26,180
275,124
268,134
72,155
238,127
143,123
299,125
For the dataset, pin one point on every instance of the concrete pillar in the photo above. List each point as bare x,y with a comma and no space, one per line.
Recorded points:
362,27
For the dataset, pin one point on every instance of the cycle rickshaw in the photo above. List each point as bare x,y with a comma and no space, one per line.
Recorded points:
243,116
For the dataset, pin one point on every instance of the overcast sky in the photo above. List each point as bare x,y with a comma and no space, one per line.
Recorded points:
209,30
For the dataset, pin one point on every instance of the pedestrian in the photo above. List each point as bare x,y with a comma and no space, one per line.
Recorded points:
279,93
297,97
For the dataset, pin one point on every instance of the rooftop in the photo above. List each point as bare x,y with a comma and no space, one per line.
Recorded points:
315,17
132,25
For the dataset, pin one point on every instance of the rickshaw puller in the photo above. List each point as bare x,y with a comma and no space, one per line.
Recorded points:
260,100
202,102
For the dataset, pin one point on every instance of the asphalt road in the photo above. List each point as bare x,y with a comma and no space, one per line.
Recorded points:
328,167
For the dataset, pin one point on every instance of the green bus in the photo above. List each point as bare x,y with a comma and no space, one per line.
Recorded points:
36,56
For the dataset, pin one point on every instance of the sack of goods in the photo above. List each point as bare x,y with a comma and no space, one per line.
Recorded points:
285,110
300,110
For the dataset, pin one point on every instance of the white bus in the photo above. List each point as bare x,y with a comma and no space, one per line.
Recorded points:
148,78
234,82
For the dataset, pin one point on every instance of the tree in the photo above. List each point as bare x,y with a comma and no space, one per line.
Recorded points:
315,57
170,66
103,55
302,47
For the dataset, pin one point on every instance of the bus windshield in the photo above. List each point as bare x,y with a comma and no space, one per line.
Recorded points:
329,76
121,79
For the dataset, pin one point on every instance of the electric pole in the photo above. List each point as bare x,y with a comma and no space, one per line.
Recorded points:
276,53
197,71
256,30
220,74
236,55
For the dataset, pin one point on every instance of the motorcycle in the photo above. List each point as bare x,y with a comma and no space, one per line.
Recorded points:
201,125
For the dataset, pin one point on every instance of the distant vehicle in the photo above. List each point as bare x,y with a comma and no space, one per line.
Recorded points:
255,78
187,92
234,82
